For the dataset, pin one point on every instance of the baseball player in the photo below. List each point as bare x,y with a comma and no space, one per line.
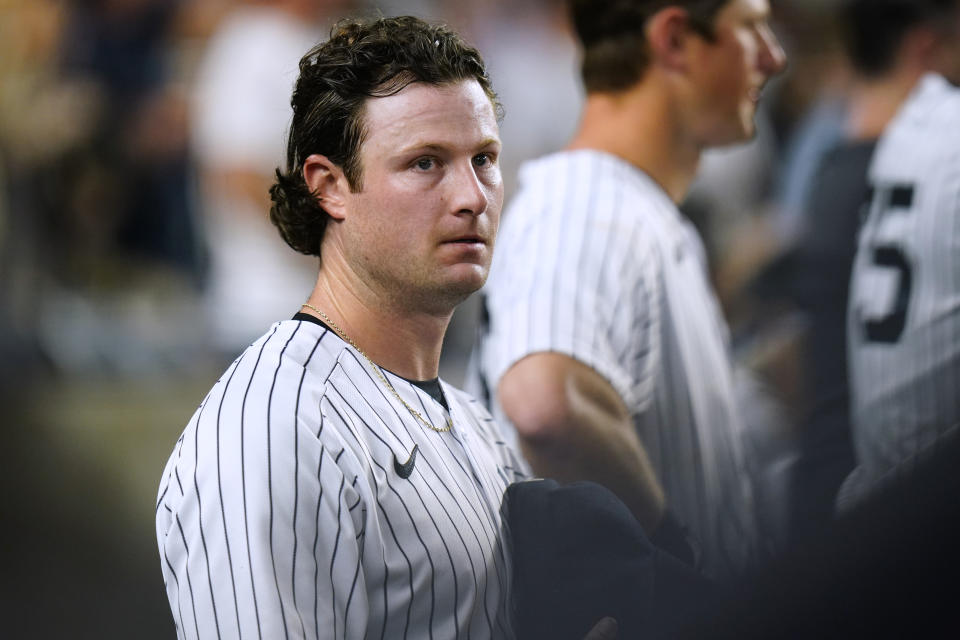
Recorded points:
886,46
904,314
604,345
330,485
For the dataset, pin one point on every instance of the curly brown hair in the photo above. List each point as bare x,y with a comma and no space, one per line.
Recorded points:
615,52
362,59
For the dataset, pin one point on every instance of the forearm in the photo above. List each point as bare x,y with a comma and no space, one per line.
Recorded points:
573,425
595,448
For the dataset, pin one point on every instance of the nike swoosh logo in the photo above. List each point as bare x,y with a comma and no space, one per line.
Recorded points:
404,470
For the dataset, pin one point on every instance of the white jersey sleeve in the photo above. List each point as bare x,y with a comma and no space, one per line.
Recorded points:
904,314
581,281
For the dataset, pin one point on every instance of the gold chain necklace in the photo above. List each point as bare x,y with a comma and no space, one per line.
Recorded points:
416,414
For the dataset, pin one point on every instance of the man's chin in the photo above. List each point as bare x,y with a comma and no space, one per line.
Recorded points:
467,276
748,123
460,290
734,136
446,296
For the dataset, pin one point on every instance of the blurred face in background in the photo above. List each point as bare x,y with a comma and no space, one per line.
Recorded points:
729,70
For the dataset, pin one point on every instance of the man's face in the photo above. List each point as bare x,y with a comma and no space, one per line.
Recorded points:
421,230
729,71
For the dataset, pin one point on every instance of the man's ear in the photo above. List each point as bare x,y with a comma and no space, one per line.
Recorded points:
327,182
668,33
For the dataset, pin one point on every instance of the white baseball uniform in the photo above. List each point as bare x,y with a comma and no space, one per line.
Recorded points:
304,500
904,313
594,261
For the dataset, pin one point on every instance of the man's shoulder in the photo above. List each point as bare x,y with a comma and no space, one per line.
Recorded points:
570,174
290,363
928,121
297,345
298,378
578,194
585,208
270,394
936,98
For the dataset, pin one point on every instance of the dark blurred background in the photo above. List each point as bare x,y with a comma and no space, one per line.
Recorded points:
137,143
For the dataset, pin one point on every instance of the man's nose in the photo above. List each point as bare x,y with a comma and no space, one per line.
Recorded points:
773,60
470,197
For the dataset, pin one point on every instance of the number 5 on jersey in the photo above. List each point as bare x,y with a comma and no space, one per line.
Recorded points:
882,307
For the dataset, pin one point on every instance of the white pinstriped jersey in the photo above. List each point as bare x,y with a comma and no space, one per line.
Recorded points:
594,261
904,314
281,512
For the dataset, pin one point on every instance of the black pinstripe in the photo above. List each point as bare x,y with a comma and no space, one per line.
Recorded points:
203,539
223,515
179,621
316,561
246,525
193,602
333,554
296,487
273,385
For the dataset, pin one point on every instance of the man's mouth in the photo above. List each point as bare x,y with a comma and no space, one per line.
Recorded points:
466,240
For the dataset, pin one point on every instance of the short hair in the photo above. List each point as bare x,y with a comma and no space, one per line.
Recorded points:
873,30
615,51
363,58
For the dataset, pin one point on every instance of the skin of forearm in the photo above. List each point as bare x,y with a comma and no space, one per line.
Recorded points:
584,432
608,454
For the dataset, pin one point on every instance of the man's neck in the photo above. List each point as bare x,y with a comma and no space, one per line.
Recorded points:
873,103
405,342
641,127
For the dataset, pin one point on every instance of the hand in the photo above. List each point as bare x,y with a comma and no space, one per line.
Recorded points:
606,629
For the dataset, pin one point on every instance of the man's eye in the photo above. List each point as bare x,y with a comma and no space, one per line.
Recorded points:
482,159
425,164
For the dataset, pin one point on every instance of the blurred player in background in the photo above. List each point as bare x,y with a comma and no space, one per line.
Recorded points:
888,45
604,345
904,313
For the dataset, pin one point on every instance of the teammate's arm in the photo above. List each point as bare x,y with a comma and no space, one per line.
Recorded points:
573,425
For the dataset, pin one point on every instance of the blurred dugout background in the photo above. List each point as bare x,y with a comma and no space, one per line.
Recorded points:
137,142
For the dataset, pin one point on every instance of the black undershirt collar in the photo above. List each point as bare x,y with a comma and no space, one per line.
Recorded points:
432,386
